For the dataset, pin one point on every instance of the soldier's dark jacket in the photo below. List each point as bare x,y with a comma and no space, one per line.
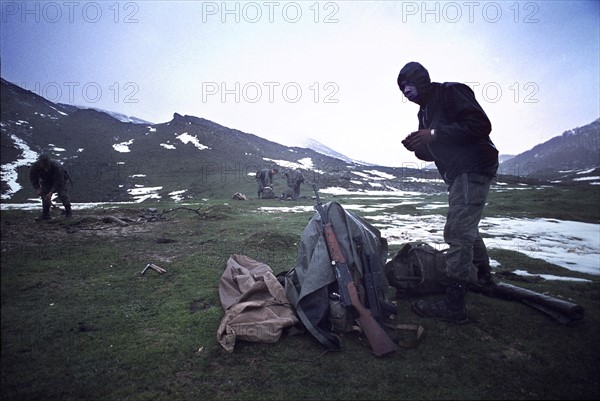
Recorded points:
462,129
53,180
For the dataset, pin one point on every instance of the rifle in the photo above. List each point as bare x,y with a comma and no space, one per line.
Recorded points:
374,284
379,341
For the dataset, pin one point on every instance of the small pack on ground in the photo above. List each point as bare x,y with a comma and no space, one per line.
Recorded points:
239,196
268,193
417,269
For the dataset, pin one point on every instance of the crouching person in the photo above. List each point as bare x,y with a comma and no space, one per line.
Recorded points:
48,176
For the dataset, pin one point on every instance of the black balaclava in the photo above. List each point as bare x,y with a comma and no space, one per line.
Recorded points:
417,75
44,162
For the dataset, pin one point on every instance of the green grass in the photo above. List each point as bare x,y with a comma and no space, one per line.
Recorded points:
79,322
578,203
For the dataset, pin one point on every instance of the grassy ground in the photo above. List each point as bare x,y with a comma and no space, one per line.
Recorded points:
80,322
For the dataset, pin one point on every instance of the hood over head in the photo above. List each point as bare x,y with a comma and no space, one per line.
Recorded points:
417,75
414,73
44,161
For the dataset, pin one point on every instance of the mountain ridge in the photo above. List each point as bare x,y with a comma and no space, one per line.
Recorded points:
114,160
111,160
573,155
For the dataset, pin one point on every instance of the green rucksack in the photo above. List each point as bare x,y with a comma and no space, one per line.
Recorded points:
419,269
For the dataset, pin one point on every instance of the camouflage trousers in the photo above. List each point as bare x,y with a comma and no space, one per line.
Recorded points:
466,200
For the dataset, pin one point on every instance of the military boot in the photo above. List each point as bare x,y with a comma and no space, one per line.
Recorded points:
484,275
68,212
451,308
45,212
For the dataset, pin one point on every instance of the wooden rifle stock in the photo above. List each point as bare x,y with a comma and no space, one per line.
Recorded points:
380,342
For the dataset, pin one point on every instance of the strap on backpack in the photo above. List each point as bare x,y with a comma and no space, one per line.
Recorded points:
417,328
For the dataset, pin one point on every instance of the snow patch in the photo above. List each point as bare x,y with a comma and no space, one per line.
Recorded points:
9,170
305,163
123,147
187,138
592,178
141,193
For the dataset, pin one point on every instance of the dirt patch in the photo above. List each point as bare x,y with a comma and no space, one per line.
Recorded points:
21,230
218,212
512,353
198,305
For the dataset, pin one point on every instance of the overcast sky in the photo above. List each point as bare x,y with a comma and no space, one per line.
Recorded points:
286,70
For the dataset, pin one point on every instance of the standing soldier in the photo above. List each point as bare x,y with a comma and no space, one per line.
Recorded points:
454,132
47,177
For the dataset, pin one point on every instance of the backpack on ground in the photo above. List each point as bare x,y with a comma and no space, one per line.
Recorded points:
311,286
420,269
417,269
268,193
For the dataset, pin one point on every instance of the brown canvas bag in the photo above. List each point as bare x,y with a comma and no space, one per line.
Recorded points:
256,307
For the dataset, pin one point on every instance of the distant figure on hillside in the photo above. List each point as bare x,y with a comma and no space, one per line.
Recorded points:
48,176
454,132
264,178
294,179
